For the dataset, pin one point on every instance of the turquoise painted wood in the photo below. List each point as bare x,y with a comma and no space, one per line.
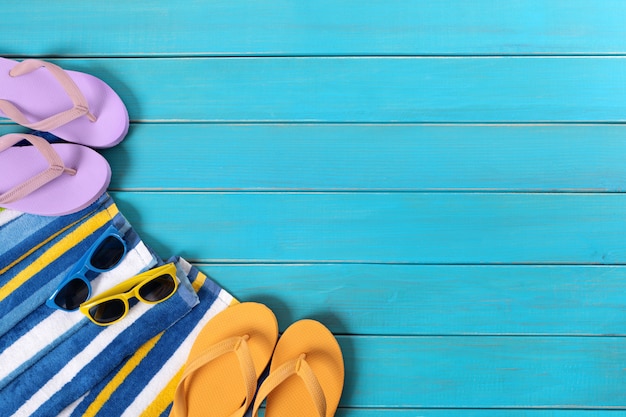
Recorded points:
379,157
371,90
415,228
441,183
437,299
485,372
317,27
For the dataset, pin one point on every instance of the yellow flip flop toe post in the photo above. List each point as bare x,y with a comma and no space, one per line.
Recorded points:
306,374
225,362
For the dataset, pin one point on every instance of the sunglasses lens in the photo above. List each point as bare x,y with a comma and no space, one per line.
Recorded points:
158,288
108,253
72,294
108,311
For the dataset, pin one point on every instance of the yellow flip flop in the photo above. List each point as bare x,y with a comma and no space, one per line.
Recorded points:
306,374
225,362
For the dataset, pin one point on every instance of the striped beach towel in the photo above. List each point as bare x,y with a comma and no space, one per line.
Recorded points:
54,362
144,385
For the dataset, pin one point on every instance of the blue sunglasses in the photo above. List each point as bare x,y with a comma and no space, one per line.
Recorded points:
105,254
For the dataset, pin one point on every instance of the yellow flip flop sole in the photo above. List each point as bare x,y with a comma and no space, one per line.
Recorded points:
306,374
225,362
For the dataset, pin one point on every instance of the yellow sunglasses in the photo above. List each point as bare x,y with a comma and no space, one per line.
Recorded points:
150,287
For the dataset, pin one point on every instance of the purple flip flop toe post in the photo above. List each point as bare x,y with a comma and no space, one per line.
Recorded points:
74,106
49,179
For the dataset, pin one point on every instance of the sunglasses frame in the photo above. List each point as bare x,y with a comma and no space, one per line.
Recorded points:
130,289
84,265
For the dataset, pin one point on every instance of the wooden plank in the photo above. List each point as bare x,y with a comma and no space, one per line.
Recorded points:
338,90
472,228
441,300
318,27
484,372
339,157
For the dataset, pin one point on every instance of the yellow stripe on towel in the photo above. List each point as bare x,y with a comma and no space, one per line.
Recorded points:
165,397
199,281
118,379
39,245
56,250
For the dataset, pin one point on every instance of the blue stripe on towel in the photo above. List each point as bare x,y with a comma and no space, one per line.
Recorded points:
29,329
45,327
48,386
23,328
46,244
53,361
53,273
27,231
34,292
141,381
36,286
29,297
23,302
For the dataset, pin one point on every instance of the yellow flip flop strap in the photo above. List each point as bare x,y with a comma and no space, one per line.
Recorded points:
300,367
237,344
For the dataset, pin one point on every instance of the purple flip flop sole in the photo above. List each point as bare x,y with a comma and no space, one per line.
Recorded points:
39,95
65,194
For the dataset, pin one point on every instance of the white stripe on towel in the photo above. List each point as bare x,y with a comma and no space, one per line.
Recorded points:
37,339
7,215
67,411
174,364
80,361
59,322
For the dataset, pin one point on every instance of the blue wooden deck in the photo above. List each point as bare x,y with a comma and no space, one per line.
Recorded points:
440,183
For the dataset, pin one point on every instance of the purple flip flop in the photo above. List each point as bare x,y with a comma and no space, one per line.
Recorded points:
74,106
49,179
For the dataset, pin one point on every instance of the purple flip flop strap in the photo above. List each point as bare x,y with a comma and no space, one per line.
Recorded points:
55,169
81,107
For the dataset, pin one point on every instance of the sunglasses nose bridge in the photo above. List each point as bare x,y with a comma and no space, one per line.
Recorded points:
85,267
132,289
127,296
126,308
137,294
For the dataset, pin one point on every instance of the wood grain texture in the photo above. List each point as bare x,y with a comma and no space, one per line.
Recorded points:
318,27
441,183
381,89
436,299
370,157
446,228
485,372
